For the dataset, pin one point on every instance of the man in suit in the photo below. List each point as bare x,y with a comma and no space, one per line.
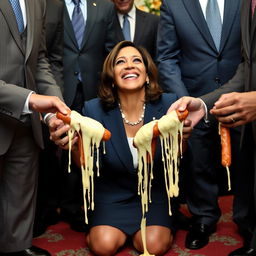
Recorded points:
192,61
85,48
24,72
238,109
143,25
49,158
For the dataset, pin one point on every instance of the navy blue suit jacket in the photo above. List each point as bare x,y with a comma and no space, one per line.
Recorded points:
118,178
188,61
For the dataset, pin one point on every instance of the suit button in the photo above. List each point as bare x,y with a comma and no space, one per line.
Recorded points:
217,80
219,58
75,73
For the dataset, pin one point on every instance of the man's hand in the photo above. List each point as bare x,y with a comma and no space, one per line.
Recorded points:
235,109
194,106
42,103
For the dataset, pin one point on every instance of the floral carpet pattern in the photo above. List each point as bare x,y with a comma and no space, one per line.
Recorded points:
59,240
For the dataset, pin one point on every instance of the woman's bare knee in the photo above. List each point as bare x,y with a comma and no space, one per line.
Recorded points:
159,240
105,240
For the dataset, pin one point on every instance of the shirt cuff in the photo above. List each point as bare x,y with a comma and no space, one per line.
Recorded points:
47,117
206,117
26,109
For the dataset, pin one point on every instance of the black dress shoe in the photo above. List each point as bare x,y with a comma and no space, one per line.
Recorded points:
243,251
32,251
198,235
75,219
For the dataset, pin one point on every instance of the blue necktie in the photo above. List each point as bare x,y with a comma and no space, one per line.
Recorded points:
126,28
78,22
213,20
18,14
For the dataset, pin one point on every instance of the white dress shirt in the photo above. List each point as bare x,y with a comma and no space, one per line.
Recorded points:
221,3
70,7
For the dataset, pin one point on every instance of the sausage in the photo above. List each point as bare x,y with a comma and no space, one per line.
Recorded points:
225,146
181,115
225,150
66,119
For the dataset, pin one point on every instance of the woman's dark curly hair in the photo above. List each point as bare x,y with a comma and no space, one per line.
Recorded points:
108,93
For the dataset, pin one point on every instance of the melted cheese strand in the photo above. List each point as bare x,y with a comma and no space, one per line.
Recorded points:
91,133
170,127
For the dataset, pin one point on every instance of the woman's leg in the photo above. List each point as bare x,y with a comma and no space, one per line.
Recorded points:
105,240
158,238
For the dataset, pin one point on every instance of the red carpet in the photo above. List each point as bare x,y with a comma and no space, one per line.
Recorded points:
59,240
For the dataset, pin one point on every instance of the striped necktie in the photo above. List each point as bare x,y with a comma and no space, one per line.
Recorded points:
18,14
126,28
213,20
253,4
78,22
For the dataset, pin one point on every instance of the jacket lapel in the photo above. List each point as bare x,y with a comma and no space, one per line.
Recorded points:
30,26
140,25
113,121
119,32
68,27
7,12
194,9
231,10
245,23
92,10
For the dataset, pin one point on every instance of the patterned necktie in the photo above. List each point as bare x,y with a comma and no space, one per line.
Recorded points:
18,14
213,20
126,28
253,4
78,22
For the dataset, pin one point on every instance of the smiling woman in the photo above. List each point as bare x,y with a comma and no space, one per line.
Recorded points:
129,97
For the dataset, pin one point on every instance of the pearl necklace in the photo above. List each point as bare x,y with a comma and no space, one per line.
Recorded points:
141,118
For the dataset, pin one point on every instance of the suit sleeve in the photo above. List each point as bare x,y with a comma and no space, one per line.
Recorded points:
168,50
235,84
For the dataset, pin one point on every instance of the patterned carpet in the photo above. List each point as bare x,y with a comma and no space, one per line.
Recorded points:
59,240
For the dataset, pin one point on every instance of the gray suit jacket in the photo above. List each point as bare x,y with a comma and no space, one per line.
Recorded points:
99,39
145,31
22,70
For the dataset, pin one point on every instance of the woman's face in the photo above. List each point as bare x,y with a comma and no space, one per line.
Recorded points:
129,70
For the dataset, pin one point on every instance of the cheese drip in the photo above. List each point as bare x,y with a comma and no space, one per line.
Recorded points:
91,133
170,127
142,141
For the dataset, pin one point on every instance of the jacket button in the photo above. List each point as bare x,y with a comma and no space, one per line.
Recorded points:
75,73
219,58
217,80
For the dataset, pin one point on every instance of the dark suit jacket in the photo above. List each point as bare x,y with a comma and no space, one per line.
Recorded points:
145,31
245,77
54,38
98,40
117,171
188,61
22,70
244,80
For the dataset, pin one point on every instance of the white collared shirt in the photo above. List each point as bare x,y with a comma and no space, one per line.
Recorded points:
132,19
221,3
70,7
23,10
